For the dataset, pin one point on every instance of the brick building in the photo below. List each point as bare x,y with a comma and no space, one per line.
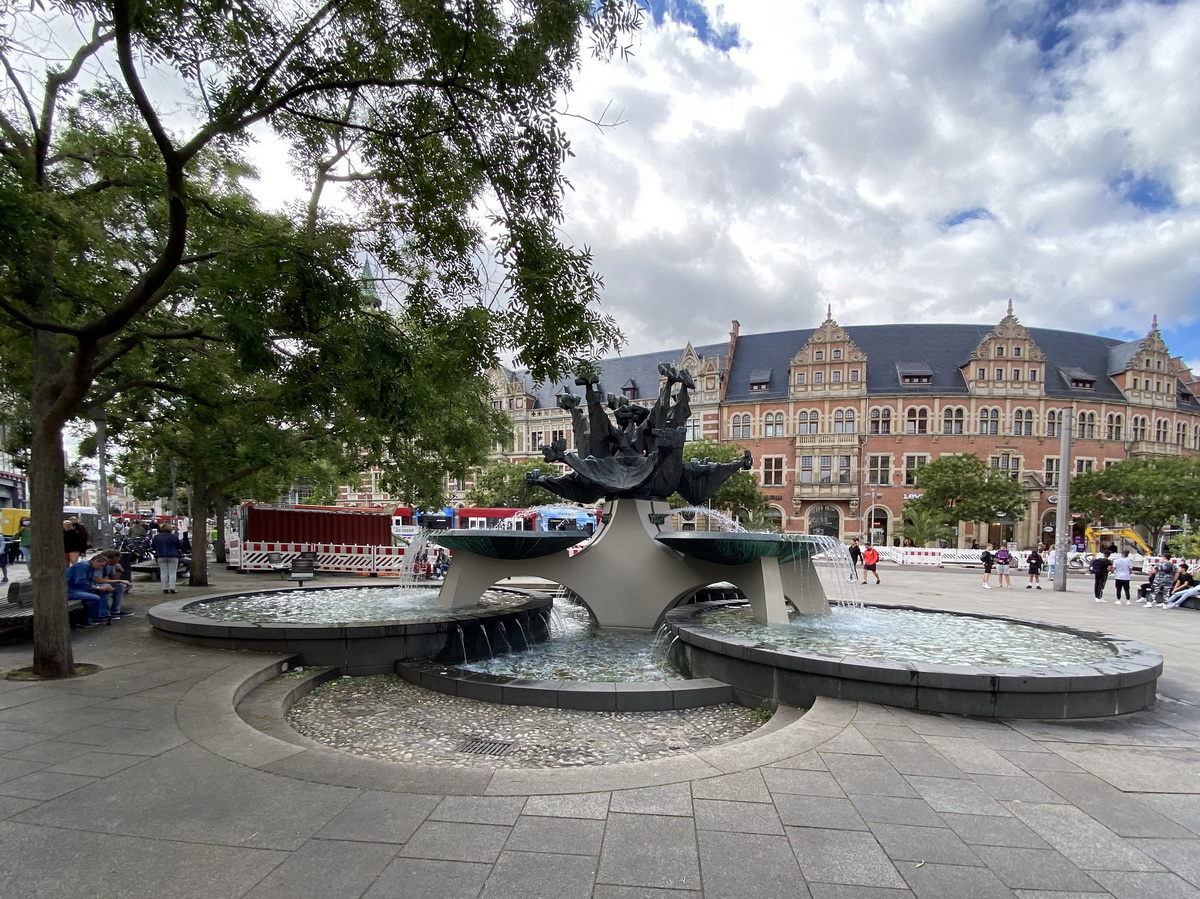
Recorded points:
840,418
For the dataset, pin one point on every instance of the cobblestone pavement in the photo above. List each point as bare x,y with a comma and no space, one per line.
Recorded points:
141,780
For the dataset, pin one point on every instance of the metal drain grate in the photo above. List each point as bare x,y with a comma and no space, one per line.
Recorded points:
494,748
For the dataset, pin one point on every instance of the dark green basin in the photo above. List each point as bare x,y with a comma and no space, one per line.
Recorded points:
736,547
502,544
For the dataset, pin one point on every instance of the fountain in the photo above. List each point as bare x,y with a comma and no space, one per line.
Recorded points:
637,572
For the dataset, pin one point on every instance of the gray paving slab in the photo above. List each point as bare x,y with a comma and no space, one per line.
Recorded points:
479,809
453,842
841,891
521,875
1181,857
612,891
563,836
1081,838
1023,788
429,879
325,869
1021,868
939,845
379,817
749,866
1138,885
650,851
737,817
916,758
804,782
867,774
1183,809
1120,812
963,796
988,830
818,811
807,761
577,805
954,882
744,786
842,856
895,810
44,785
672,799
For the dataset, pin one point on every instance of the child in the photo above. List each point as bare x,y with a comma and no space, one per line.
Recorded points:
1035,569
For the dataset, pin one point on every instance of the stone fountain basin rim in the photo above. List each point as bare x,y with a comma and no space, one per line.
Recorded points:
1134,664
173,617
512,545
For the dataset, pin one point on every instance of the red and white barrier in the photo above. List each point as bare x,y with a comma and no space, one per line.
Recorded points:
381,560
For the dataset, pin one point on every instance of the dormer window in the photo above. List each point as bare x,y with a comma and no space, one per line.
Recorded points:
760,380
1078,378
630,390
1083,384
914,373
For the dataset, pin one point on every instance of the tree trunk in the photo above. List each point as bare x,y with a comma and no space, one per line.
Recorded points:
198,577
51,624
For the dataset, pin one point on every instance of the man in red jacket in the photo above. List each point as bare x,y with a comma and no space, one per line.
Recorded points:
870,559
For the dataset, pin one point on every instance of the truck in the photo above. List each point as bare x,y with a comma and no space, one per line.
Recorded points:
10,523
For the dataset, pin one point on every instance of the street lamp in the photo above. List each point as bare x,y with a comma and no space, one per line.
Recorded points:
1062,521
100,417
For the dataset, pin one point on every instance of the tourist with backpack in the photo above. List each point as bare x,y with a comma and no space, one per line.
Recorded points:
988,561
1035,569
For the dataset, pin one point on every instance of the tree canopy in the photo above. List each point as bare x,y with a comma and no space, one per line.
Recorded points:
429,140
964,488
1149,493
502,485
739,495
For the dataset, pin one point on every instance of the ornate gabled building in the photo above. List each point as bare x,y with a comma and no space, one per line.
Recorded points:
840,418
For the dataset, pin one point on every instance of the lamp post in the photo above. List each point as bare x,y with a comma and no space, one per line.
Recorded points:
100,417
1062,522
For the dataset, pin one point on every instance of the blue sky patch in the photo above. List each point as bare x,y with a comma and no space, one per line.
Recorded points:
717,34
964,215
1143,191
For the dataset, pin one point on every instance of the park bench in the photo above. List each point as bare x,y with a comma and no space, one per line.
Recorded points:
301,569
17,609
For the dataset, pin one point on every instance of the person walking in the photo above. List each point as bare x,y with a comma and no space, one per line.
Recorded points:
1099,568
1122,571
1051,558
1035,569
168,551
988,561
870,558
25,539
855,558
75,541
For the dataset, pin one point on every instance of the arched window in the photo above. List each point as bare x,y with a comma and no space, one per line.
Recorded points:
824,520
1114,425
881,421
989,421
773,425
1086,427
1162,431
1181,434
916,421
808,422
741,427
1140,424
952,420
1023,423
1196,437
1054,423
843,421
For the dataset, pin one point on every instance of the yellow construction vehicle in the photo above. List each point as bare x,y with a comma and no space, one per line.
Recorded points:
1099,536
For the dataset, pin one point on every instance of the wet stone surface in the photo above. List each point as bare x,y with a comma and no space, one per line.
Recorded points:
384,717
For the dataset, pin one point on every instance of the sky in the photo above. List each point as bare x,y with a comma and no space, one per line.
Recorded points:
917,160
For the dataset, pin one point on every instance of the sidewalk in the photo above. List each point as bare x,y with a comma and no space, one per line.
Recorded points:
141,780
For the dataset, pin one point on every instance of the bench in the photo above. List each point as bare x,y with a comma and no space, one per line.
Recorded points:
301,569
17,610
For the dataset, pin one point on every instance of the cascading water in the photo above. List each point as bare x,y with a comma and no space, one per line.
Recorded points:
413,552
687,515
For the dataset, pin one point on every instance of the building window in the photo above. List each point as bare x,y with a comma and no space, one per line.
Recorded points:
1053,466
1181,434
1016,352
1007,463
999,352
843,464
989,421
1086,426
1016,375
912,464
836,376
1140,424
952,420
1135,383
981,374
879,471
692,429
1033,374
854,374
773,425
843,421
808,423
1196,437
826,469
1054,423
881,421
999,374
773,471
806,469
1161,431
837,354
800,379
741,427
818,377
917,421
819,356
557,436
1113,426
1084,466
1023,423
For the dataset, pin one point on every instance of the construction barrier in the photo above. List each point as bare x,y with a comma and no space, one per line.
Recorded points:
331,557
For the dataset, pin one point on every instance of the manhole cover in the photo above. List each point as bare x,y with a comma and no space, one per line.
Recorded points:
493,748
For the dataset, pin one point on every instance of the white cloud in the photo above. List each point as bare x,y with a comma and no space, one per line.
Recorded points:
819,162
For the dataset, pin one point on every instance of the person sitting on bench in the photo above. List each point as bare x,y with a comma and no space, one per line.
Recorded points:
81,586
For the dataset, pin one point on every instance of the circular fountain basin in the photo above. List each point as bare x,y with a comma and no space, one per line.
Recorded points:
355,640
496,543
736,547
1112,675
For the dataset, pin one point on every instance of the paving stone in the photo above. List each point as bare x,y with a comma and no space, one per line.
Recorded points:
650,851
566,836
12,739
479,809
806,783
1082,839
887,733
1031,869
1123,814
377,817
1181,857
49,752
954,882
326,869
14,805
917,758
972,756
453,842
105,735
1142,885
818,811
842,856
672,799
893,810
429,879
749,866
963,796
521,875
1023,788
1060,894
849,741
96,764
745,786
570,805
868,774
737,817
938,845
1038,761
842,891
11,769
44,785
1182,808
924,723
998,735
611,891
808,761
988,830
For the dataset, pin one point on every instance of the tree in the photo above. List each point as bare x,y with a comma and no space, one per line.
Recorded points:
1148,493
739,495
924,526
965,488
502,485
422,113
